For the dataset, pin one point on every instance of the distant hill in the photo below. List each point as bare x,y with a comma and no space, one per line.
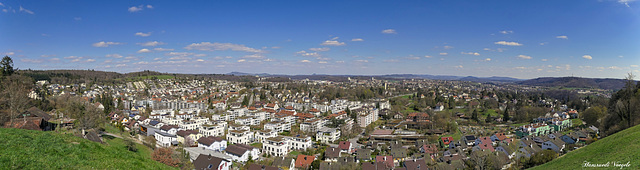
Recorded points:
28,149
621,147
576,82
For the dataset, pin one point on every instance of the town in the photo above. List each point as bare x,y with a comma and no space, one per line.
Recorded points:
359,123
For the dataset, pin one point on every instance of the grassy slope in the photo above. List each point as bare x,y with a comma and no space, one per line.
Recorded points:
25,149
621,147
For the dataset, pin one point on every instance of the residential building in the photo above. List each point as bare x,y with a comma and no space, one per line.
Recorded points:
275,146
212,143
240,136
327,135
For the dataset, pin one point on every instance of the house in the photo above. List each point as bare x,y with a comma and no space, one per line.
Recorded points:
469,140
212,162
331,154
253,152
554,144
446,141
216,129
430,149
498,137
483,147
212,143
399,155
261,167
567,139
185,136
238,153
507,150
164,139
415,164
363,154
170,129
327,135
304,161
386,160
417,117
346,146
194,152
481,140
284,163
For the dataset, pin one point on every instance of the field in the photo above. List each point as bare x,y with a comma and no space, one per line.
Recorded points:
27,149
620,148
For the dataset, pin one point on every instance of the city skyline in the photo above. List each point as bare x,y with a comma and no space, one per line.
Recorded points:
597,39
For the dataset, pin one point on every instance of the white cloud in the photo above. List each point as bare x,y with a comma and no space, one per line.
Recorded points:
544,43
26,60
333,43
149,6
121,65
142,34
305,61
413,58
626,2
471,53
444,53
70,57
389,31
506,32
1,4
207,46
254,56
588,57
459,66
446,47
91,60
427,56
163,49
241,60
544,59
634,65
320,49
615,68
156,59
144,50
199,60
135,9
362,61
9,53
113,55
105,44
508,43
357,39
524,57
26,10
151,43
77,18
391,61
487,59
562,37
322,62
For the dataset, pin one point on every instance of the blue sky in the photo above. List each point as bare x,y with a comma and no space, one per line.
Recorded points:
522,39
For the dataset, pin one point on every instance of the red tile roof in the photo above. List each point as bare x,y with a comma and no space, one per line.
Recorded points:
304,161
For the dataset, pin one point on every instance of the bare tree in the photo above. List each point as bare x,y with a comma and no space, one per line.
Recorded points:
14,94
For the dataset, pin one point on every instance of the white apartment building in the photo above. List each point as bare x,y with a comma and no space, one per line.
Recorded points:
299,142
328,135
217,129
240,136
277,126
261,135
312,125
275,146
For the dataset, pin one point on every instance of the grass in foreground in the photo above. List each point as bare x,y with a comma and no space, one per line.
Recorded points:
27,149
621,147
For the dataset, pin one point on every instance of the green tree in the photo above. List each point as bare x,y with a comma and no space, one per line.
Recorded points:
594,115
7,66
474,115
505,115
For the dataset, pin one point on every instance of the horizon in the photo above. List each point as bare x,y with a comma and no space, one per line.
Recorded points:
589,39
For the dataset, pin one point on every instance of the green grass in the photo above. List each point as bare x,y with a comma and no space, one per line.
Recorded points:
520,124
257,145
621,147
491,112
294,153
27,149
456,136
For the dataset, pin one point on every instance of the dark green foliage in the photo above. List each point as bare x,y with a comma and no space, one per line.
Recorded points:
7,66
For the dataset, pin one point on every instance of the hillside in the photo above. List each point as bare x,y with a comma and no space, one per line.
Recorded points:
621,147
27,149
576,82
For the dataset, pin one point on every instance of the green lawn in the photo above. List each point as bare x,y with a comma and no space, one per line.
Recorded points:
27,149
294,153
257,145
456,136
491,112
621,147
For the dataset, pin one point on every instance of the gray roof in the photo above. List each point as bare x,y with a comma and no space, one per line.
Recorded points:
194,152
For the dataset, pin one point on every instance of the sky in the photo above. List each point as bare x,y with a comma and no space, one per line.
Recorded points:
520,39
